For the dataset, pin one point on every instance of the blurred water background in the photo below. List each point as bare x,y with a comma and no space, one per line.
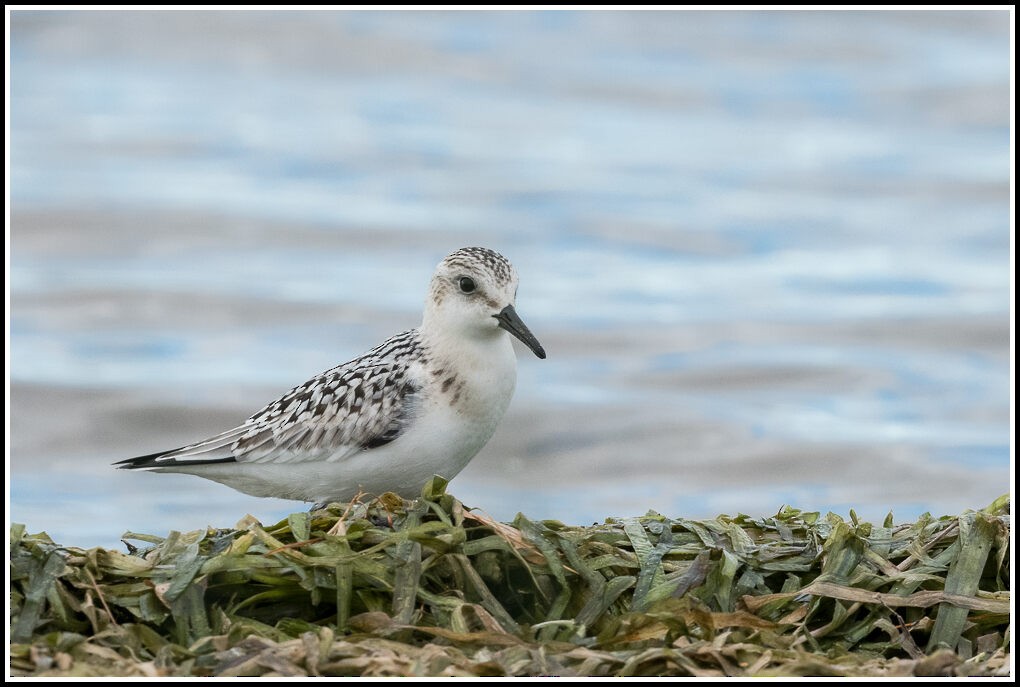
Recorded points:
768,252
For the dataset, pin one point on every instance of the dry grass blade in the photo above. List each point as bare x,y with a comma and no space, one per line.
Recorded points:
977,534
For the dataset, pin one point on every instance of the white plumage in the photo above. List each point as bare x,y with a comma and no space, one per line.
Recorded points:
422,403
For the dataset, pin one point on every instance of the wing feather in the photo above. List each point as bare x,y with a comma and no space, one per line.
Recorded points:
360,405
348,411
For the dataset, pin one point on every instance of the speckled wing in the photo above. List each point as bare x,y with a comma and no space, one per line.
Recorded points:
330,417
359,405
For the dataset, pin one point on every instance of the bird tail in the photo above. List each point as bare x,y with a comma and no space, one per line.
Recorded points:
208,452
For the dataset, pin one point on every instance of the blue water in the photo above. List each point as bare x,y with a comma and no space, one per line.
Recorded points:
768,252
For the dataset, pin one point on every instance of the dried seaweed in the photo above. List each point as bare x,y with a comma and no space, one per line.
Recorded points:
431,588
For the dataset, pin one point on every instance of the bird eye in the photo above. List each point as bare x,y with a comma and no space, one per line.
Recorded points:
467,284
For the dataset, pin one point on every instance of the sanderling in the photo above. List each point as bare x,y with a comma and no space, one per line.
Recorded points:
421,404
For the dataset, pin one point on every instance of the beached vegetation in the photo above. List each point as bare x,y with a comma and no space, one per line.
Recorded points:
432,588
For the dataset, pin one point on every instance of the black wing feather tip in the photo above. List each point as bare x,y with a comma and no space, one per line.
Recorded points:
152,461
141,461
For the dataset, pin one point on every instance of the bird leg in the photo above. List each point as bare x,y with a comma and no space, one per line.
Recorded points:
340,528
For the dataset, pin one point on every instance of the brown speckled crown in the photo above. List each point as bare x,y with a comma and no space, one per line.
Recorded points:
471,257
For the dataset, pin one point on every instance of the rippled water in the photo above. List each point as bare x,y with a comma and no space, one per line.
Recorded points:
768,253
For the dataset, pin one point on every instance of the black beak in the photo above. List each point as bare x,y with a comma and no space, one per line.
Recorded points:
509,321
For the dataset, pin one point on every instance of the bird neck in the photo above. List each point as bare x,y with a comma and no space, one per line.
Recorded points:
478,351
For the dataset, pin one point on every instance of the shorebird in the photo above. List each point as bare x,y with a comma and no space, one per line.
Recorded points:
422,403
